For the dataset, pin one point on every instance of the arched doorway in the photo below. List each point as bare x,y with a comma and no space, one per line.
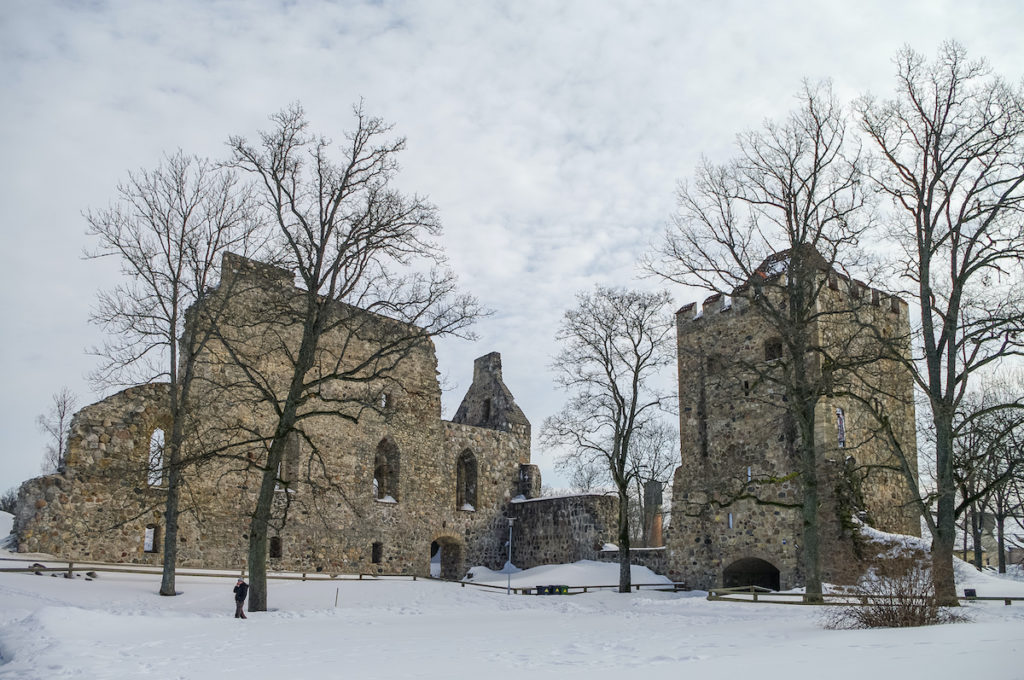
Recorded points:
751,571
446,557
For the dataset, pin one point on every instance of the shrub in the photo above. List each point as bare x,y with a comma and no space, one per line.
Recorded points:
8,500
897,601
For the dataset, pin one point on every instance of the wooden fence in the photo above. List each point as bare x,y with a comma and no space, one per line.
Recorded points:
576,590
68,569
759,594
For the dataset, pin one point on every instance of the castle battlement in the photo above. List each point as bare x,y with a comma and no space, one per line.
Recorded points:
860,293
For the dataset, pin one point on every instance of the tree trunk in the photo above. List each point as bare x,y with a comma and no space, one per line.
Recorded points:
944,540
167,586
804,400
258,530
625,583
1001,543
976,520
811,527
178,398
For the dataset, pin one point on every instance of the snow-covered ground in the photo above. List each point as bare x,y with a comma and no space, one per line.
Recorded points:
118,627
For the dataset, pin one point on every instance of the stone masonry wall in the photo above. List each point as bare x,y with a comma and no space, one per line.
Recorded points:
562,529
336,508
99,506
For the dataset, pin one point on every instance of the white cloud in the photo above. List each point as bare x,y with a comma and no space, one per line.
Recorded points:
551,135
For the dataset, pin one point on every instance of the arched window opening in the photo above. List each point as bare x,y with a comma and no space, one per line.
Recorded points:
155,463
465,481
275,547
151,539
486,410
385,472
751,571
377,553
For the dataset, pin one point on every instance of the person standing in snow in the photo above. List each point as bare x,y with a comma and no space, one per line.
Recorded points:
241,590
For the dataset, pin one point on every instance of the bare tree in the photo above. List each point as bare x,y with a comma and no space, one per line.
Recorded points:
988,463
167,230
9,500
1006,503
363,252
614,342
950,150
653,457
586,475
769,227
55,424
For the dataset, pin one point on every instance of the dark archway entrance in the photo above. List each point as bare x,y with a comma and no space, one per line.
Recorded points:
446,559
751,571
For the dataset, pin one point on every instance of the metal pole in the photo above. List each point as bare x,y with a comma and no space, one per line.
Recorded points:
508,566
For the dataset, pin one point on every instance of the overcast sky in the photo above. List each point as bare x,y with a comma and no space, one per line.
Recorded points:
550,135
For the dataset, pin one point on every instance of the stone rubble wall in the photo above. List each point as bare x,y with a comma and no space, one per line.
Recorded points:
563,529
655,559
736,494
326,516
98,507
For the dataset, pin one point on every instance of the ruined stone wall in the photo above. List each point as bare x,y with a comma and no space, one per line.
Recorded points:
736,495
445,484
499,456
98,507
562,529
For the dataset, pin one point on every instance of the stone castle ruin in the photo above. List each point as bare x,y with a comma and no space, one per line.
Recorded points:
384,492
736,497
398,490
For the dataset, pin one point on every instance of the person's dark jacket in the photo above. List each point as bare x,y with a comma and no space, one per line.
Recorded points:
241,590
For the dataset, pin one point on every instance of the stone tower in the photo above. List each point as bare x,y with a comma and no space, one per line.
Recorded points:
736,505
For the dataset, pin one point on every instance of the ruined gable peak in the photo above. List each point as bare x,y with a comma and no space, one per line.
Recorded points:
488,402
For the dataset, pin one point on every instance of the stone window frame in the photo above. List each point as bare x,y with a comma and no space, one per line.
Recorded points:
467,485
773,350
840,427
377,552
151,537
386,471
155,473
275,548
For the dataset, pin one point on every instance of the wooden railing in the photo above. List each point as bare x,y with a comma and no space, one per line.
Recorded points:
759,594
40,566
70,568
576,590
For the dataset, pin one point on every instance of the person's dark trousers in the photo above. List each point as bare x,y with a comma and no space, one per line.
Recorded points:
239,614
